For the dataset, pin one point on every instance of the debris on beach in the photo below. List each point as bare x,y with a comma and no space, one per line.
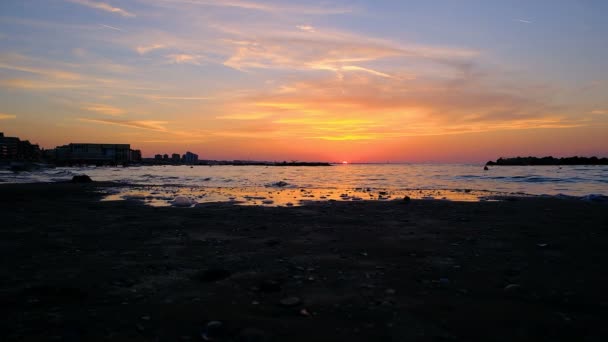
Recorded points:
279,184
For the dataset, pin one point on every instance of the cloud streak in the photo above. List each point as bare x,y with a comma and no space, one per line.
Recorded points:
142,50
7,116
5,63
274,7
112,27
151,125
184,58
103,6
104,109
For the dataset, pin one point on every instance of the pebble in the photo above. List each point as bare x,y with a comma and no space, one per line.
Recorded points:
213,331
513,289
290,301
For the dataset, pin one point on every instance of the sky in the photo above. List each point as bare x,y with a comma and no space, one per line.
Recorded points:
357,81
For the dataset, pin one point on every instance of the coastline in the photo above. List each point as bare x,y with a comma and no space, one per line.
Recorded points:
523,268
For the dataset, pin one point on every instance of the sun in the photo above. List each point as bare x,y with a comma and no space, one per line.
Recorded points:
344,162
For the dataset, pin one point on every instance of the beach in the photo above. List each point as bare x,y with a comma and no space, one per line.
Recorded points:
75,268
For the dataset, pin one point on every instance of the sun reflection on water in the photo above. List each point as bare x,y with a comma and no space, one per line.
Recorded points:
160,196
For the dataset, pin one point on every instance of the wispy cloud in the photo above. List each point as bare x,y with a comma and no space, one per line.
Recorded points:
104,109
7,116
142,50
184,58
274,7
523,21
306,28
103,6
111,27
20,83
139,124
334,52
180,98
247,116
599,111
364,107
18,63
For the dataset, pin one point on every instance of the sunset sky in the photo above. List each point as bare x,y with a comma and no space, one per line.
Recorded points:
363,81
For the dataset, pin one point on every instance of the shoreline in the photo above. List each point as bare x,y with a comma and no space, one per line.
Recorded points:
80,269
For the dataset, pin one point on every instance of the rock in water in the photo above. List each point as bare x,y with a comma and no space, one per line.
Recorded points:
182,201
82,179
485,168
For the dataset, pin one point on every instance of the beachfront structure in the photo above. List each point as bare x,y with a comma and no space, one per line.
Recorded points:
175,158
190,158
86,153
13,148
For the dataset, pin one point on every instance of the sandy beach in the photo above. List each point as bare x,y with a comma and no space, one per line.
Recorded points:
77,269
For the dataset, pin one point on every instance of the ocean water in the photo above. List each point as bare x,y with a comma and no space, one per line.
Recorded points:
272,185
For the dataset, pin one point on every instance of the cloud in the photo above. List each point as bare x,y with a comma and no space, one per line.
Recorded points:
103,6
20,83
104,109
6,63
247,116
523,21
184,58
334,52
139,124
142,50
112,27
7,116
275,7
599,111
306,28
365,107
180,98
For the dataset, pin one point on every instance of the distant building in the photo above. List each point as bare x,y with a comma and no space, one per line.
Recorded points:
12,148
136,156
84,153
175,158
158,157
190,158
165,157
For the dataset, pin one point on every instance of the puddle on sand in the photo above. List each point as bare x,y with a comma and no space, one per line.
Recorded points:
162,196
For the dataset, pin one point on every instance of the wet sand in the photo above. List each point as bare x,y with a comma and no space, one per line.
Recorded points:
77,269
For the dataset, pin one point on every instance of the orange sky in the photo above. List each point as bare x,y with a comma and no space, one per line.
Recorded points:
273,80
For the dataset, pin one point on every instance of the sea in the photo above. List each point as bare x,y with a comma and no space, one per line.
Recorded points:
296,185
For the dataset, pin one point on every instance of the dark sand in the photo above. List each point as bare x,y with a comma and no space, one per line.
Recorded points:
76,269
